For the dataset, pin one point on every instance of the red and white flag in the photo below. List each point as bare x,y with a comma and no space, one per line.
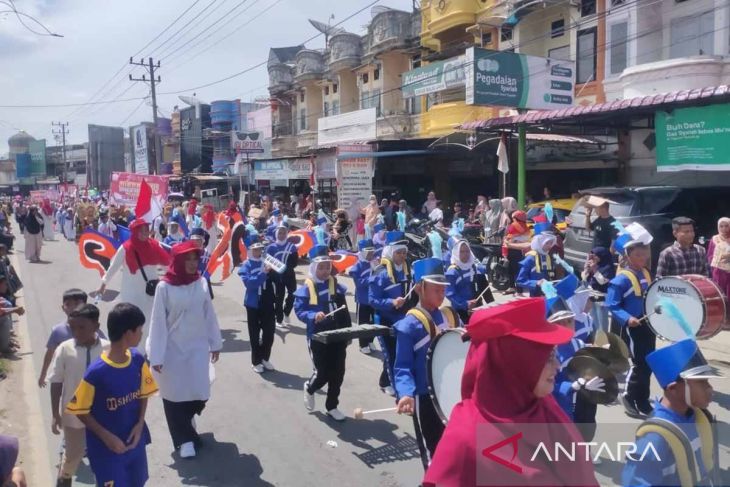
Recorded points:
148,207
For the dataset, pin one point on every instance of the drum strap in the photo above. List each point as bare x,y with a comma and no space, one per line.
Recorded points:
425,318
684,456
635,284
390,268
538,261
313,295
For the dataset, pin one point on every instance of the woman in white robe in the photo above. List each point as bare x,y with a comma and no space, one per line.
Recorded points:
140,248
184,341
47,215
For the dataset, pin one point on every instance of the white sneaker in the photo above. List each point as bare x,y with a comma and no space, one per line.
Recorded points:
259,369
267,365
336,414
308,398
388,390
366,350
187,450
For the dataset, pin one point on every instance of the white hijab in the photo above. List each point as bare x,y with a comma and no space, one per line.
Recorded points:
541,240
455,260
313,271
388,252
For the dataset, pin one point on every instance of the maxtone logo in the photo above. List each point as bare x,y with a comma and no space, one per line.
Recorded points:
672,290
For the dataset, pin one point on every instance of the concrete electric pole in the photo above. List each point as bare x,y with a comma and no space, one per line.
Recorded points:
151,67
62,131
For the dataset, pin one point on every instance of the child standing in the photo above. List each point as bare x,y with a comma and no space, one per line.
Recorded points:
72,299
70,361
111,402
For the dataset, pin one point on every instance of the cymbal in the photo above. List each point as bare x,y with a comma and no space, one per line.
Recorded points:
588,367
616,363
614,341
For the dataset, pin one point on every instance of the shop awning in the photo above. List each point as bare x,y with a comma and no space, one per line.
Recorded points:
639,106
391,153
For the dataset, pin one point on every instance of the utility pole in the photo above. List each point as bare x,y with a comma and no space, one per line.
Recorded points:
151,67
62,131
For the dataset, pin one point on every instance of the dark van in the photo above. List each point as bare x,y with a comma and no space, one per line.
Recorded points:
653,207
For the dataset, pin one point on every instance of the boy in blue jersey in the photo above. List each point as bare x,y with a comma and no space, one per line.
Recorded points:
625,301
681,432
361,273
413,334
111,402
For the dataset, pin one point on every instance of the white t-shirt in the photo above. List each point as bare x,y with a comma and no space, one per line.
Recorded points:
436,215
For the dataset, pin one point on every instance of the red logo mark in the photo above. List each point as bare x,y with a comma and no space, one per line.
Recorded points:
512,440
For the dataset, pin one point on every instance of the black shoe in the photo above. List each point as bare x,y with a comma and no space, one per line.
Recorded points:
631,408
645,408
63,482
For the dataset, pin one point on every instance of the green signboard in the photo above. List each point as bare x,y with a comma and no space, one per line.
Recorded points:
693,138
508,79
437,76
37,150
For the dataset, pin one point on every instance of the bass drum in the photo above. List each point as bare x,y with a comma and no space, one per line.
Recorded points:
445,364
697,298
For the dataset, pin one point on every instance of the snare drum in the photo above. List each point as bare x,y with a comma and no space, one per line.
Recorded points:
697,297
445,363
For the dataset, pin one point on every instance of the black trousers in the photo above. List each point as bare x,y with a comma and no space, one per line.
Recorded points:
285,285
514,257
464,315
428,426
329,370
387,345
641,342
584,416
260,333
365,316
179,417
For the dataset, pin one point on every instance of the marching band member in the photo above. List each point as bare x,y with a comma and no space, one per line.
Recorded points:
259,299
318,296
286,282
174,235
507,383
200,237
538,264
681,430
625,301
388,288
275,222
580,410
208,217
379,235
361,273
463,283
413,335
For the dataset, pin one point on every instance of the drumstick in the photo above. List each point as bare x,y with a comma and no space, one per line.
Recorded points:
657,311
335,311
359,413
409,293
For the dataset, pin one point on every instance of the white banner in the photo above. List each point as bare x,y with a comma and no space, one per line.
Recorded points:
359,125
354,178
141,158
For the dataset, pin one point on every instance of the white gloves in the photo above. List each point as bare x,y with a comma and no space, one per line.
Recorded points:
595,384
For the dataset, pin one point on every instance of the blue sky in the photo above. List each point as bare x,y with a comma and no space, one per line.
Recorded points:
100,35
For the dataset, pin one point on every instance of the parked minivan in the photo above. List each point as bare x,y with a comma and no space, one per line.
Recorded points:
653,207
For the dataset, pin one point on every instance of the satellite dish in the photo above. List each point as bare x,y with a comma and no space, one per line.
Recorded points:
191,100
325,29
379,9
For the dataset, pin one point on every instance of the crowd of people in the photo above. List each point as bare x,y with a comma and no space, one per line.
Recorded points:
163,335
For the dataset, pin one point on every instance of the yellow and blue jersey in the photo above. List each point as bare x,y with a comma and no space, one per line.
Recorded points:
111,392
625,298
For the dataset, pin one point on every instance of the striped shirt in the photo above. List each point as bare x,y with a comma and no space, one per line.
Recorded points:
676,261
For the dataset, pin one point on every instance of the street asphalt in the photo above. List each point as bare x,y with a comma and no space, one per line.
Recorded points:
255,428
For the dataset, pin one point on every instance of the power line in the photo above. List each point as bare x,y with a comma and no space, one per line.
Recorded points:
120,124
172,36
20,16
166,28
151,66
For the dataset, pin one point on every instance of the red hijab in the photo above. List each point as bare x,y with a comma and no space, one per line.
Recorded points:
176,275
46,207
149,251
208,216
497,392
192,206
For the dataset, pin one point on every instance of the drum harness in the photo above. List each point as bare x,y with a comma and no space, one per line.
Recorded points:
539,263
425,318
635,284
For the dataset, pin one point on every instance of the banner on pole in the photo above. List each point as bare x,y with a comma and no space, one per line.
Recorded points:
124,187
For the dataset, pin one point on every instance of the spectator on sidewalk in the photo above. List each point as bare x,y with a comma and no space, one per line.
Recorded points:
718,255
33,235
70,361
604,233
684,256
10,475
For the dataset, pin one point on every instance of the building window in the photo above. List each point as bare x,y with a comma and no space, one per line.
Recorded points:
692,36
301,96
587,7
586,69
370,99
303,119
560,53
326,90
618,47
486,38
335,107
334,88
505,34
376,74
557,28
326,109
365,77
413,104
416,62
